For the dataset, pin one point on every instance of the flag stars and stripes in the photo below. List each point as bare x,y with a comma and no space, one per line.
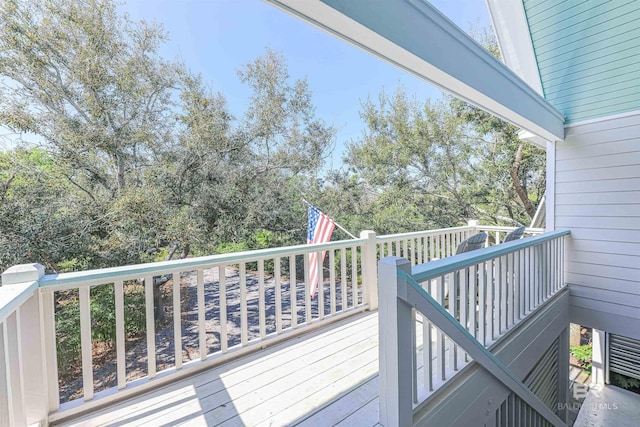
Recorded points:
320,229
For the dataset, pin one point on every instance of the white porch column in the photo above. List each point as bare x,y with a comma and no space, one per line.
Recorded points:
550,192
598,359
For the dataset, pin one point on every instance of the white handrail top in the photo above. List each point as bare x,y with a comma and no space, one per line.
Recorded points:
414,234
13,296
505,228
156,268
442,266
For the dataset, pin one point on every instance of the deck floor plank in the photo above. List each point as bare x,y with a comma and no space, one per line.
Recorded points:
344,406
366,416
277,386
325,378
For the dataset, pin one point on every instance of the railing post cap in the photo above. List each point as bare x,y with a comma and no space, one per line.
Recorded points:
22,273
397,262
365,234
473,223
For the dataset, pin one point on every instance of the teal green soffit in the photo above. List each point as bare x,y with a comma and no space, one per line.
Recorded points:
588,55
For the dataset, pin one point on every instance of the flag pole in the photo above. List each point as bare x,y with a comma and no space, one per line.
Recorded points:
334,221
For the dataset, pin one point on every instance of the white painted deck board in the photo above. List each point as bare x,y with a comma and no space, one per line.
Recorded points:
325,378
282,385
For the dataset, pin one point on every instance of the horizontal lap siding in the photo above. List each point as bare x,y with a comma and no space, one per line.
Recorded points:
598,198
588,55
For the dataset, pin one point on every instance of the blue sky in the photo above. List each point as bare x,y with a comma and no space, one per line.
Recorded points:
214,37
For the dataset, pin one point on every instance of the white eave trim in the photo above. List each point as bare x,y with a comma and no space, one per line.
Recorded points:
603,119
525,135
514,39
456,63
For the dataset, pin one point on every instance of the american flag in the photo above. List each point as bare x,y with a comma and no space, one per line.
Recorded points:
320,228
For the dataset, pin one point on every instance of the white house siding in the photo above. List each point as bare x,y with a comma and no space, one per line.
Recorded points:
597,185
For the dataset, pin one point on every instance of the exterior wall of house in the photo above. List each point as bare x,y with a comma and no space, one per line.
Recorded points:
597,196
587,54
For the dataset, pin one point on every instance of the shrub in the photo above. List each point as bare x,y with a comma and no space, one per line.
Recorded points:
624,381
103,328
583,353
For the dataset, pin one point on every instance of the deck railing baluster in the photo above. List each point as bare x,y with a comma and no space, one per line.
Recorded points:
440,341
293,291
502,325
177,320
86,344
278,293
354,275
244,320
453,280
222,285
511,291
332,282
151,326
320,286
202,336
491,307
307,290
427,354
405,249
262,322
482,303
120,335
343,278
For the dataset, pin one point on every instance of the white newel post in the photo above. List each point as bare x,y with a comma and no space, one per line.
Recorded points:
473,223
22,333
369,264
394,325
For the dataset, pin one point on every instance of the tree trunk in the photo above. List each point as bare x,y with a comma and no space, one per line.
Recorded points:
524,198
120,165
158,305
186,250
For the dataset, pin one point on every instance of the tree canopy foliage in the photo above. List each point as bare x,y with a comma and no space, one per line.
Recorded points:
142,160
425,165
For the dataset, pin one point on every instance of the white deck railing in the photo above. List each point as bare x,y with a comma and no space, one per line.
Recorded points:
254,294
424,246
496,234
263,307
457,305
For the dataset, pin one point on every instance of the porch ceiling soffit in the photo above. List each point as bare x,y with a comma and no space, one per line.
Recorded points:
415,36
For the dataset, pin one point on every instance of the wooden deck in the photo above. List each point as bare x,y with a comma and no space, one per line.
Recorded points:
326,378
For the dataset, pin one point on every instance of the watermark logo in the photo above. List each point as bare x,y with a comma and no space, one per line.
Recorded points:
580,391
